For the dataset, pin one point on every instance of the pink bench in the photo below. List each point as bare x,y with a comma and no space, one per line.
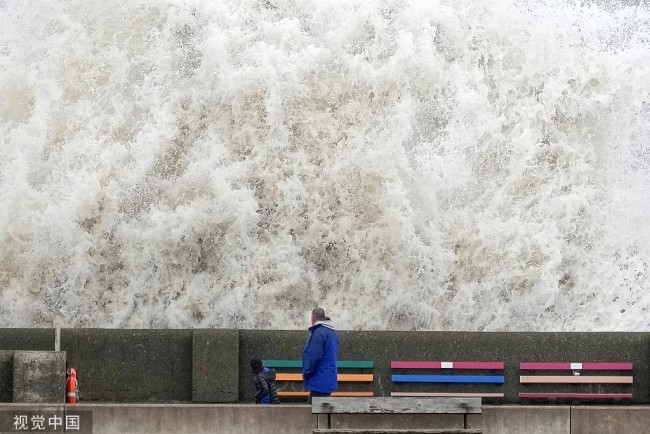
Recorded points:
575,376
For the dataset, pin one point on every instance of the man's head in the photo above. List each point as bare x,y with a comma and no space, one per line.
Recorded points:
318,314
256,366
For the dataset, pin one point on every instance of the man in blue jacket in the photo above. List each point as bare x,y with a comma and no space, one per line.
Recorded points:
320,355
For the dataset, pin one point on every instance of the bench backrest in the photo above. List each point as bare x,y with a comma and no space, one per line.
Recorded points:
385,405
352,364
447,379
450,367
291,377
571,373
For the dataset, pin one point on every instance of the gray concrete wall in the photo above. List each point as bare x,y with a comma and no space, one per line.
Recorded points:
215,365
397,421
6,376
39,376
509,419
26,339
198,365
130,365
297,419
610,420
200,418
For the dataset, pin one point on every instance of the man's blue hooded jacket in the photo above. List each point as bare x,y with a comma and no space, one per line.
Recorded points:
319,358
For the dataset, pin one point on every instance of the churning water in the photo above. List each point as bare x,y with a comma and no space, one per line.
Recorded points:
438,164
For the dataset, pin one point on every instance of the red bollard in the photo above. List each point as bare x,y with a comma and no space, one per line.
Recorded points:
72,395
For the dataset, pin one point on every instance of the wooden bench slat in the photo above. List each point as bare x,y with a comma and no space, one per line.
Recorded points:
493,379
592,366
421,364
345,364
388,405
359,394
282,363
366,378
567,366
576,379
578,395
304,393
449,394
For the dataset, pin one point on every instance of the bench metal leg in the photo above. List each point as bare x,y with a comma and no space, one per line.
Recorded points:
323,421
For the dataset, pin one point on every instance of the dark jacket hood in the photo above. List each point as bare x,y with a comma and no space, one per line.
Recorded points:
269,374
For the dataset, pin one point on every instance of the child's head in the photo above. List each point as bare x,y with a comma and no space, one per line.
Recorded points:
256,366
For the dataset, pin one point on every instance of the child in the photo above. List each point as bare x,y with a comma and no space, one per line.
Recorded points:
264,381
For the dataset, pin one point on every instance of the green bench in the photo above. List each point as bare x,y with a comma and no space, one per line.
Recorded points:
287,378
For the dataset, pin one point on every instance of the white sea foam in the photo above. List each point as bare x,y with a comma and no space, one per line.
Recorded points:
450,165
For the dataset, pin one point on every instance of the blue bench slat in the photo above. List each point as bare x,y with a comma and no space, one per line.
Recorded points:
495,379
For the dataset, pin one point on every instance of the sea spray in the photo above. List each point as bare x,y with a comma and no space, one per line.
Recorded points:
409,165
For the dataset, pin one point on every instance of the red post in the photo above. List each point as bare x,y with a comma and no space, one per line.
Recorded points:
72,395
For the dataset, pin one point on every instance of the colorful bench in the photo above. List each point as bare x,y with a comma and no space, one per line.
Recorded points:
453,377
295,377
575,378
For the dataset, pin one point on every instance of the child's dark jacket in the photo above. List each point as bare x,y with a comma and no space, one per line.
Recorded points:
266,392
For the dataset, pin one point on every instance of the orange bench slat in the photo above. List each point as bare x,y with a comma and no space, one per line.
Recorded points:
341,377
351,394
576,379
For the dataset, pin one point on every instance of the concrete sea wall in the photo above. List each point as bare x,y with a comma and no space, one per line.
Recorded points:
297,419
211,365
